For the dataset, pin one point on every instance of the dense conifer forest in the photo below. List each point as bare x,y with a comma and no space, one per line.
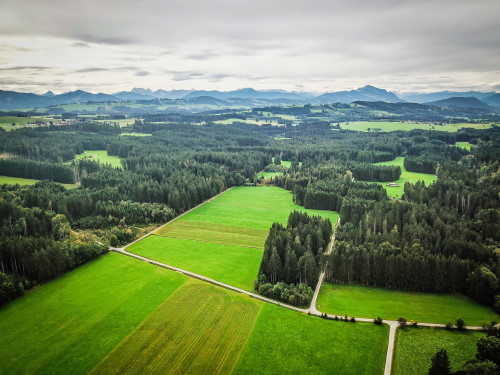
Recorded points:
447,233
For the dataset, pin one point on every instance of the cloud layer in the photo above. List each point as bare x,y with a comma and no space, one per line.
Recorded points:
319,45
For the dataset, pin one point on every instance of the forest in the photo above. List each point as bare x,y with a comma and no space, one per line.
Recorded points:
448,232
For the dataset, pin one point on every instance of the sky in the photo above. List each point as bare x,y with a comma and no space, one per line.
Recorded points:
298,45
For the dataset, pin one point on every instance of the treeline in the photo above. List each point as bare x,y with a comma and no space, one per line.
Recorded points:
380,173
293,255
36,170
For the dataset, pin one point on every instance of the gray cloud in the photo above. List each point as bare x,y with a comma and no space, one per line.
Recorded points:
14,68
320,44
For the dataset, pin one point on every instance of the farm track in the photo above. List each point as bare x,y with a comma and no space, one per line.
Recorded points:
393,325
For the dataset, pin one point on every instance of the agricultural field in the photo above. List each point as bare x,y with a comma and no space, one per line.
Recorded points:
389,126
118,315
69,325
7,121
465,145
223,239
285,342
398,191
27,181
416,346
370,302
101,156
268,175
135,134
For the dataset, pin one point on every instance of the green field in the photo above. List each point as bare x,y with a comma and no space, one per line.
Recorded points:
135,134
101,156
223,239
118,315
412,177
416,346
389,126
6,121
27,181
70,324
389,304
465,145
286,342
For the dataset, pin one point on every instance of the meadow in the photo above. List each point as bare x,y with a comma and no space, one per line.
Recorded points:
69,325
389,126
7,121
268,175
101,156
118,315
27,181
416,346
389,304
465,145
223,239
133,134
406,176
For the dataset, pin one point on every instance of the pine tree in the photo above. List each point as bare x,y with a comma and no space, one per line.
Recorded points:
440,364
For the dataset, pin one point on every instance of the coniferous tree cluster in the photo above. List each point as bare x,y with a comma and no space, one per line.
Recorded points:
293,257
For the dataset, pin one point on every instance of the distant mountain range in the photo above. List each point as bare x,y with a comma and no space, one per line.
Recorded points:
249,97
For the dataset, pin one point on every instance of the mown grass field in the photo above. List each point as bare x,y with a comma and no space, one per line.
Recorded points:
369,302
465,145
101,156
416,346
27,181
286,342
6,121
406,176
389,126
223,239
268,175
200,329
69,325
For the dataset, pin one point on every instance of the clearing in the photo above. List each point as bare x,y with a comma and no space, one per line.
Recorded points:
101,156
465,145
224,239
27,181
389,304
406,176
416,346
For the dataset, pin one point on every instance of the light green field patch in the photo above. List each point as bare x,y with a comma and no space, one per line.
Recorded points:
135,134
367,302
69,325
200,329
234,265
389,126
465,145
217,233
406,176
20,122
101,156
287,342
416,346
27,181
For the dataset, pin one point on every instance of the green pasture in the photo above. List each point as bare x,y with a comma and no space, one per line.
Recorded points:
69,325
6,121
465,145
223,239
101,156
389,126
367,302
406,176
133,134
27,181
268,175
416,346
287,342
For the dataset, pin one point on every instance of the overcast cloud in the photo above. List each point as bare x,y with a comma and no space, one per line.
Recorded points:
316,45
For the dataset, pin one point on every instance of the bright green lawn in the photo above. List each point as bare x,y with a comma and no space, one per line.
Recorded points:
465,145
27,181
286,342
234,265
416,346
223,239
368,302
69,325
389,126
398,191
101,156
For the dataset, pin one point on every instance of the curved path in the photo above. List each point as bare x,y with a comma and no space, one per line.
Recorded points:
393,325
